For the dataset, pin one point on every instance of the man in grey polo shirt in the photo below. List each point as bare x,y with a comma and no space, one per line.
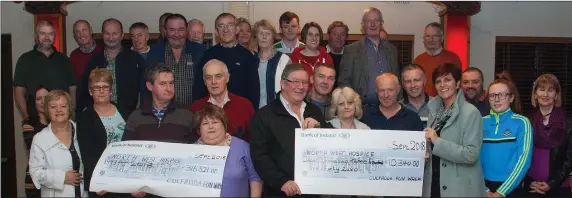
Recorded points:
414,80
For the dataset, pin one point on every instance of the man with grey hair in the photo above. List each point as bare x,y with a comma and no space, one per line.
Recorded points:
82,33
41,67
364,60
238,109
390,114
273,129
195,30
435,55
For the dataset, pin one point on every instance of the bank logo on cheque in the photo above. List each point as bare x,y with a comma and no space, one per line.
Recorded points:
150,146
345,135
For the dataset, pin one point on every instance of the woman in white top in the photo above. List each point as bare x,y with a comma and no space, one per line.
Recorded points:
271,62
345,109
55,164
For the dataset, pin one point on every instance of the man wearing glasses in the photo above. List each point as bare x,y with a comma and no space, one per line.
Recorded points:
368,58
240,61
435,55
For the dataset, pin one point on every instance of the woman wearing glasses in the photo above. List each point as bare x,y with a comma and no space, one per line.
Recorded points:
552,153
507,143
455,134
99,124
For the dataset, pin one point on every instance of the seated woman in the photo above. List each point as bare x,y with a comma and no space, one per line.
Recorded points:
552,153
55,164
271,62
507,143
99,124
345,109
456,134
239,178
36,126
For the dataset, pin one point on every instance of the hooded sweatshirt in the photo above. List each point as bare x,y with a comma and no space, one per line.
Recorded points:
310,62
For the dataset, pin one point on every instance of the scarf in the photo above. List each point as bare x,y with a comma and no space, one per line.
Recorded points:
550,135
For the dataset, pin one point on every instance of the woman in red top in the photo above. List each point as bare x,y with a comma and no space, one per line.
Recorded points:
312,53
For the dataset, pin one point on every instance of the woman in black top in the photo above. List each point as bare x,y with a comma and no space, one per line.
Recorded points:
99,124
31,129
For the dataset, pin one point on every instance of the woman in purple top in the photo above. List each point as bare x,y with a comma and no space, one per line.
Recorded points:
552,154
239,178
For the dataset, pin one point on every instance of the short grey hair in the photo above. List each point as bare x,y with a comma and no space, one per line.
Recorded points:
437,26
214,62
292,67
44,23
372,9
192,21
388,75
155,70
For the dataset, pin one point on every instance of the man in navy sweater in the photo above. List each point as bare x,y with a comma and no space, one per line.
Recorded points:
240,61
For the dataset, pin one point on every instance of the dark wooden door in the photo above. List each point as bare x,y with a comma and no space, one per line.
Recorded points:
9,186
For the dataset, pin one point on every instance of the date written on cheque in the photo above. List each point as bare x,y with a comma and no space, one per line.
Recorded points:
200,169
410,146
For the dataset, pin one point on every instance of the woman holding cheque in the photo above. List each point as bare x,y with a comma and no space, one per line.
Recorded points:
507,143
456,134
55,165
239,177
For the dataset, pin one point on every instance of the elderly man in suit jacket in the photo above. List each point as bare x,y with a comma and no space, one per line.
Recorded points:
366,59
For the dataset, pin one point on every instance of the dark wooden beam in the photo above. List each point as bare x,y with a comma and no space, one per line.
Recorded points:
46,7
463,8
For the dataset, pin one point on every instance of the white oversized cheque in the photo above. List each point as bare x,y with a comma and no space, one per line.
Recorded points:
164,169
359,162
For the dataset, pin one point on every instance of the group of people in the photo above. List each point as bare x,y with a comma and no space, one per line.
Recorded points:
250,94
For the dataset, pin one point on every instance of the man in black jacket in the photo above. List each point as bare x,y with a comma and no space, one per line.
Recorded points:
272,132
125,65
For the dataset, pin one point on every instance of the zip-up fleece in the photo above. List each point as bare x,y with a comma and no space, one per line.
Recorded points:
176,126
323,57
507,149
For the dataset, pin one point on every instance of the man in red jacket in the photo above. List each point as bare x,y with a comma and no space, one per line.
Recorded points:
238,109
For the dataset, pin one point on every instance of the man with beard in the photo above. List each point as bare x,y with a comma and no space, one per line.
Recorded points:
44,67
390,115
124,65
240,61
414,80
337,37
139,37
366,59
323,79
182,56
435,55
196,30
82,33
472,85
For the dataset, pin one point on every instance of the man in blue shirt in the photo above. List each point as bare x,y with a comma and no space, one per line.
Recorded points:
390,114
323,79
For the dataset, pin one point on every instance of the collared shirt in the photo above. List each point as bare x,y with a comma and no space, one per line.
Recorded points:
87,51
437,52
224,101
482,104
183,73
160,113
377,65
111,68
330,51
282,47
289,109
423,111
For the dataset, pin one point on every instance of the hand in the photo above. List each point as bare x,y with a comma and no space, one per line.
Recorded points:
427,155
311,123
138,194
290,188
543,186
72,178
496,194
534,188
489,194
27,127
431,135
100,193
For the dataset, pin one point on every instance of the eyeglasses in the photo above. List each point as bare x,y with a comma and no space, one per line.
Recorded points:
375,21
222,26
431,37
501,96
298,82
97,88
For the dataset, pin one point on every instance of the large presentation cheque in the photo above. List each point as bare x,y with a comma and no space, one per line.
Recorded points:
164,169
359,162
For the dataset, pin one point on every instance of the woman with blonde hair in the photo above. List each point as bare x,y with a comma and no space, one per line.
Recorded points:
552,153
271,62
55,165
345,109
244,35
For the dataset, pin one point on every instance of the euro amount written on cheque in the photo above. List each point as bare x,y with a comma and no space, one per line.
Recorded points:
360,162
